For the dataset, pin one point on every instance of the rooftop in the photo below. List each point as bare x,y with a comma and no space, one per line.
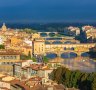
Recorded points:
8,78
2,75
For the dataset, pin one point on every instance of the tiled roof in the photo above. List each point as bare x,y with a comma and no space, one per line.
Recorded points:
20,84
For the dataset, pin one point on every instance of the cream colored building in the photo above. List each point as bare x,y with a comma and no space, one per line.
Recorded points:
44,73
39,47
9,55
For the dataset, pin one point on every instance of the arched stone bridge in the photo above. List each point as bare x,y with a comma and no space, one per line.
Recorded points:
62,41
48,33
62,48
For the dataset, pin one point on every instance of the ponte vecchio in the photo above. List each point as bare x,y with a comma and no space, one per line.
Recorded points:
40,47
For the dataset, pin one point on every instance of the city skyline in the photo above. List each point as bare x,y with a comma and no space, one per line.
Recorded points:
47,11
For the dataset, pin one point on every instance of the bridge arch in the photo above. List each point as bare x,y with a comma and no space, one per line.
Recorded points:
68,48
47,42
72,48
85,54
51,55
52,34
69,42
43,34
57,42
68,55
65,48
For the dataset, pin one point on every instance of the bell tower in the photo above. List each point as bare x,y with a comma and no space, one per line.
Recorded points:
4,28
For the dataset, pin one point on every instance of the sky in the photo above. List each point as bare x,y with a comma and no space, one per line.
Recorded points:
47,10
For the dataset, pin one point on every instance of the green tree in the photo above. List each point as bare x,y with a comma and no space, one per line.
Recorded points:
29,55
77,79
34,59
23,57
67,78
45,59
94,84
2,47
52,75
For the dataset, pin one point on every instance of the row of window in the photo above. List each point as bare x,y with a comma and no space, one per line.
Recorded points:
8,57
40,49
7,63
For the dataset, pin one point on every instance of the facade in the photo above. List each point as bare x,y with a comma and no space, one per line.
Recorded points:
70,31
26,69
39,47
9,55
2,39
7,58
74,31
26,50
90,33
44,73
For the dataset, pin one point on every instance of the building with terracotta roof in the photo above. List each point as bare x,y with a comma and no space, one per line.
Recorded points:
9,55
7,58
90,32
11,83
26,70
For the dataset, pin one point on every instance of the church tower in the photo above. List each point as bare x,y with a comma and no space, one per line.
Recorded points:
4,28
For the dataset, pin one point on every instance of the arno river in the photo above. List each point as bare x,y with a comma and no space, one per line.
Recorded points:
71,61
83,63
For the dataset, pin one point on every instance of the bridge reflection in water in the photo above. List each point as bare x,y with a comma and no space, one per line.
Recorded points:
71,61
66,55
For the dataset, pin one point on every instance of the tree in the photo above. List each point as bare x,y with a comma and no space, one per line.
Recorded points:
94,84
45,59
34,59
29,55
67,78
23,57
77,79
2,46
52,75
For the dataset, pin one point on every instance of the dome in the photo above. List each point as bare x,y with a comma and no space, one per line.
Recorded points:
4,28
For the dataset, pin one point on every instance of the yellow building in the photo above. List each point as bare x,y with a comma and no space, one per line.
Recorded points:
39,47
7,58
35,35
23,49
9,55
26,50
15,40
